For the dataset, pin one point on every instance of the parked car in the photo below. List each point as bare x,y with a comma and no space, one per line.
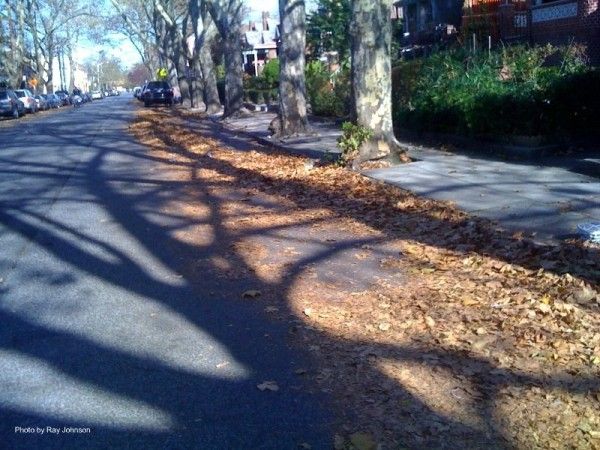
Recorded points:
10,105
26,97
41,103
140,95
158,92
96,95
52,100
64,96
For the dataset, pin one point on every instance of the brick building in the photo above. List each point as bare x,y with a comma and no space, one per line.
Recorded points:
540,21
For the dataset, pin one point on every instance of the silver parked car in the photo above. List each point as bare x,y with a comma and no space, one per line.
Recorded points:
10,105
41,103
28,100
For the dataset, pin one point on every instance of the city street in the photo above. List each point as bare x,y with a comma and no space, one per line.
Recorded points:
168,283
99,329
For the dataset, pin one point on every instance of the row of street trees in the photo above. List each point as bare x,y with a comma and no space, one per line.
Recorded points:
181,34
36,33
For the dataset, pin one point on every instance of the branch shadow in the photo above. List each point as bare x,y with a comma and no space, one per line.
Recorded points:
161,388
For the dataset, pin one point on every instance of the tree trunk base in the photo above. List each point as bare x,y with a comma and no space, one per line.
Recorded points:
213,108
277,131
382,149
242,113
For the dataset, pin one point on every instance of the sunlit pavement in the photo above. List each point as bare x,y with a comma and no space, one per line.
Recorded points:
99,332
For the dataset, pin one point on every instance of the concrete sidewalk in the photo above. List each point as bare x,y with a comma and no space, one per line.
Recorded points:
257,126
546,199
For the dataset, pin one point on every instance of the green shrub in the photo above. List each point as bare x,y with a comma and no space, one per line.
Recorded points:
220,72
328,93
270,74
260,96
271,96
353,136
514,91
253,95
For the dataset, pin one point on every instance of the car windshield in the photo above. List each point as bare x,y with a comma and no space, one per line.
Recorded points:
158,85
20,94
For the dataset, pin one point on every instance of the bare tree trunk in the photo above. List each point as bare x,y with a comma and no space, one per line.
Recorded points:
371,78
196,85
60,70
184,83
50,52
209,81
203,61
227,15
71,68
50,77
292,86
234,84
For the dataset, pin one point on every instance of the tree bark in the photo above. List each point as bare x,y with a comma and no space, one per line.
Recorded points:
71,68
206,66
292,84
371,78
203,62
227,15
234,81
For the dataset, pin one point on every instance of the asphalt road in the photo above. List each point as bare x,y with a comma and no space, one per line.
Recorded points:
98,330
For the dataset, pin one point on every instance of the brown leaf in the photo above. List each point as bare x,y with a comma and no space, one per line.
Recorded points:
584,295
469,301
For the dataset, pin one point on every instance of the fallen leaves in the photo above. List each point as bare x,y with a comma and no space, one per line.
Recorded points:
429,321
483,314
384,326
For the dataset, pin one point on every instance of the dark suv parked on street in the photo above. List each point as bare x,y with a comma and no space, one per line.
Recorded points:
157,92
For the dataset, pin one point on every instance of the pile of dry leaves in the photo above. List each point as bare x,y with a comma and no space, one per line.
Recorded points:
429,328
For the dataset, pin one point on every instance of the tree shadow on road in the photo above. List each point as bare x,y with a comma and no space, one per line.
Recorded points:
85,362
